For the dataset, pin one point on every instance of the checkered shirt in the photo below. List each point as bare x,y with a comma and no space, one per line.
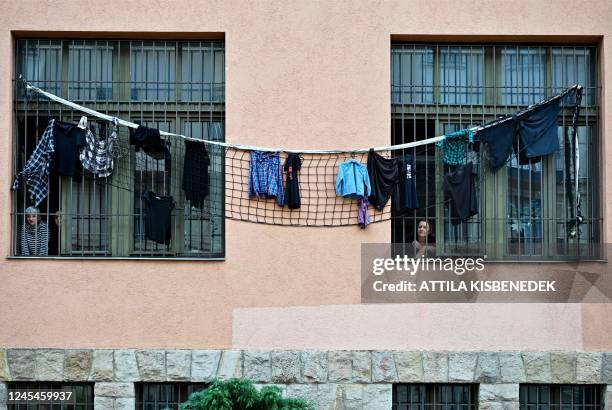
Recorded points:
36,170
266,176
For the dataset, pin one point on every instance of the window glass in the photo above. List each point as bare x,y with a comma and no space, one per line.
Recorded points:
412,69
90,70
523,75
462,75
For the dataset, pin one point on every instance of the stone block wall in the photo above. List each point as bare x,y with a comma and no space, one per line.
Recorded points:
329,379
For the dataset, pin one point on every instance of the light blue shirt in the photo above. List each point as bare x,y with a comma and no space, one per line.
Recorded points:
353,180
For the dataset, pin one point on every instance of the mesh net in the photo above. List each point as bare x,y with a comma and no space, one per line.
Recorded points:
320,205
228,197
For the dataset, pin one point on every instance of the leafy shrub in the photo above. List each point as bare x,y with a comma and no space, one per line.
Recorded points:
240,394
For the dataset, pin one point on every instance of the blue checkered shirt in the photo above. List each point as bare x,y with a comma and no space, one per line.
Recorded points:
453,146
36,170
266,176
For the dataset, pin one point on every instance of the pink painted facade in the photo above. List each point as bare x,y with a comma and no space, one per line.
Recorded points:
304,75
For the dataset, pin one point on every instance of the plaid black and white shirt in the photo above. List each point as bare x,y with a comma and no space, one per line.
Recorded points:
36,170
96,155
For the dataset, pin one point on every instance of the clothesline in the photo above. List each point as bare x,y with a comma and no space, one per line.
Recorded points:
414,144
244,162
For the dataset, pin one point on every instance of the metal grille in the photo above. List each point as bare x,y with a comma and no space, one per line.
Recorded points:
164,396
563,397
83,395
435,397
175,86
524,209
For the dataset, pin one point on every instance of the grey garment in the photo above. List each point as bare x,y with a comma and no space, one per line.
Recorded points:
35,239
96,155
423,249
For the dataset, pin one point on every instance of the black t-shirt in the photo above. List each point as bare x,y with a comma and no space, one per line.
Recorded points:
405,198
195,173
462,189
158,217
384,176
68,139
292,190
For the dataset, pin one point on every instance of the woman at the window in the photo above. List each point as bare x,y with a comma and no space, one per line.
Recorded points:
34,234
424,244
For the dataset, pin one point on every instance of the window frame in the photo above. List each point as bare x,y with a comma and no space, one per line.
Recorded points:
433,390
556,402
178,388
59,386
211,109
492,215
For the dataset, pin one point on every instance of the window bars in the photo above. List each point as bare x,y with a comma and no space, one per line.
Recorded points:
172,85
435,397
560,397
178,87
82,396
525,209
166,396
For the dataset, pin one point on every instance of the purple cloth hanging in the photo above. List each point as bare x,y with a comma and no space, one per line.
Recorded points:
363,216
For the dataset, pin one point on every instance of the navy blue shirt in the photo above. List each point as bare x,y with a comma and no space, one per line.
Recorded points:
537,131
68,139
405,198
532,134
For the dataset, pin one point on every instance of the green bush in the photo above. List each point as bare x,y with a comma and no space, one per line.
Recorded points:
240,394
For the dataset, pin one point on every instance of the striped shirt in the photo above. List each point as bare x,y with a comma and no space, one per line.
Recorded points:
35,240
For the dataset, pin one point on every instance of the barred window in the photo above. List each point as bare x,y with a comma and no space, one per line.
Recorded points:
524,209
164,396
82,397
560,397
174,86
435,397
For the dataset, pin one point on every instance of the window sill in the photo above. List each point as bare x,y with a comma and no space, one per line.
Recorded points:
115,258
547,261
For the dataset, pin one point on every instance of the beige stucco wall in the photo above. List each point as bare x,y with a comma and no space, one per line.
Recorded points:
300,74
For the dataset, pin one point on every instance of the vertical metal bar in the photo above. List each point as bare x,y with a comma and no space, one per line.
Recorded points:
435,165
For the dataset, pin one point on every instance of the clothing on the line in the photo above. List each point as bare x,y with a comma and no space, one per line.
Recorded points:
384,176
405,198
363,215
453,146
499,138
37,169
96,154
293,164
158,217
150,141
461,187
532,134
35,239
537,131
266,176
352,180
196,183
68,139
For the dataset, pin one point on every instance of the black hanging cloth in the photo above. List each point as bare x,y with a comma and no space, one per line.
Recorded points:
384,177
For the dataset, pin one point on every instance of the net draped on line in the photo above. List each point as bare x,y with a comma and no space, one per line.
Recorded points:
229,177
